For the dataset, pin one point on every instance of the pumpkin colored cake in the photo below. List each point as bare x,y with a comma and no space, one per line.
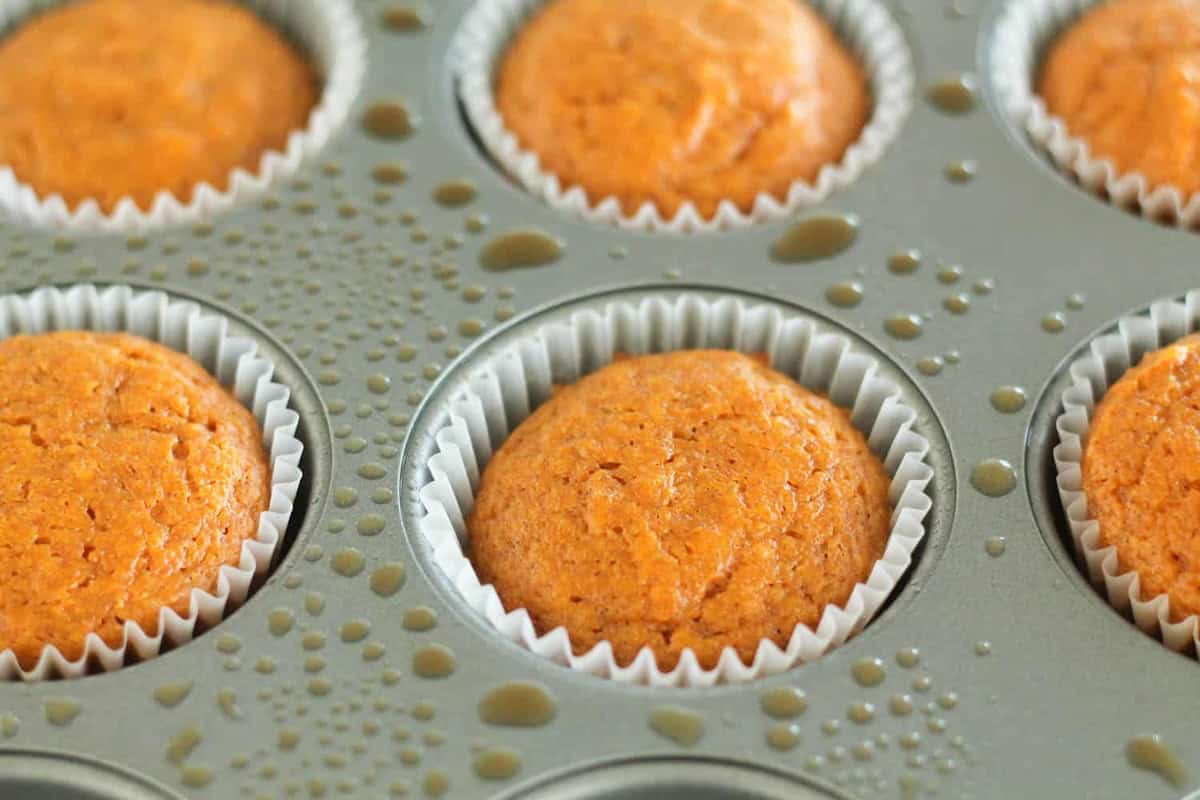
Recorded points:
1126,79
1141,473
105,99
128,477
683,100
695,499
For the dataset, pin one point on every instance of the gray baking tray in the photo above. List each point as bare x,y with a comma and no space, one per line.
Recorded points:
342,280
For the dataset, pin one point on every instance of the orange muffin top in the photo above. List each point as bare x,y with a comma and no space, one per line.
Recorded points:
1126,79
1141,473
693,499
128,477
105,99
681,100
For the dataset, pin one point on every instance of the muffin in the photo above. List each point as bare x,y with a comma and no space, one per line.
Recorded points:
687,101
1141,473
107,99
1125,79
693,499
128,478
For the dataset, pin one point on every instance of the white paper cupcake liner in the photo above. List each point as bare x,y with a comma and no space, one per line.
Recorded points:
513,380
233,360
1023,32
1109,356
329,34
864,26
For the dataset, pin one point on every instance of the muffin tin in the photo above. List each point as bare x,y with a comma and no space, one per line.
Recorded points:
368,296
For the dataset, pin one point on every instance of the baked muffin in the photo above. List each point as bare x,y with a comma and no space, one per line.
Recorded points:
1125,78
1141,473
682,100
105,99
692,499
128,477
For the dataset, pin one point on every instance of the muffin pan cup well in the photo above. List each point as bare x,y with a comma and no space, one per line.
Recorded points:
864,26
520,374
1108,357
1024,31
235,363
326,31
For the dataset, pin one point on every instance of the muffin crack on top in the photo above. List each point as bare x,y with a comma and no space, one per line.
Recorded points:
129,476
688,500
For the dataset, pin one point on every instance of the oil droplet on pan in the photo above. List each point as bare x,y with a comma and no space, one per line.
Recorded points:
904,326
995,546
497,764
388,579
908,657
904,262
815,238
181,745
527,247
455,193
61,711
680,725
953,95
1149,753
520,703
1008,399
783,737
405,19
1054,322
420,618
389,119
963,171
868,671
994,477
434,661
170,695
348,562
845,295
784,702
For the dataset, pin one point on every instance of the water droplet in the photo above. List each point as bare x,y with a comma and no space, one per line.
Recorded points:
995,546
181,745
405,19
354,631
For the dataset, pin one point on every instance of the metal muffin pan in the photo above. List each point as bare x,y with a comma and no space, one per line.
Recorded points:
336,278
